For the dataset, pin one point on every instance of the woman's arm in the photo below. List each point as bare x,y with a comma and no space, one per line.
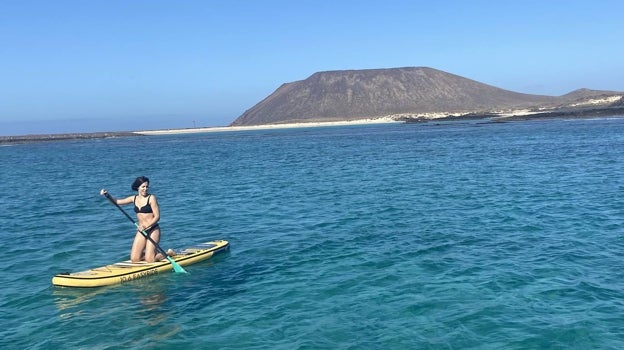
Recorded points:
123,201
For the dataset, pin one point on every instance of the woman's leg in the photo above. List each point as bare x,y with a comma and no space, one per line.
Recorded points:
136,254
150,248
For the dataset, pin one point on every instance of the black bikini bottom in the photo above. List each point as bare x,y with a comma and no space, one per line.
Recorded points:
151,229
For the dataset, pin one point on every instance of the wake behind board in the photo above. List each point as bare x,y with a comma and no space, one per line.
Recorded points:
126,271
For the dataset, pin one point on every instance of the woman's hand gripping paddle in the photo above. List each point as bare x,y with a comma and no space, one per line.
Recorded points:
176,266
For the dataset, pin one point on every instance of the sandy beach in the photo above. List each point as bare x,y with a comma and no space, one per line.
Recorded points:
266,127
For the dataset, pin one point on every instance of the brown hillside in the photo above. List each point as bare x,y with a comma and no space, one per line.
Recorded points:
359,94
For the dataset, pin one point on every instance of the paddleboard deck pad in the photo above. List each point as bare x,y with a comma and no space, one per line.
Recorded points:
126,271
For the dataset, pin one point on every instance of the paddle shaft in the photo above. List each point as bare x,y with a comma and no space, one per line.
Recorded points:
176,266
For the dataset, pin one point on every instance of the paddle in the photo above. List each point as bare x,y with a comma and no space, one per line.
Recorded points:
176,266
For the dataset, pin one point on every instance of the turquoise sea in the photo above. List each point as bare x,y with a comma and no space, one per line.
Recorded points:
458,235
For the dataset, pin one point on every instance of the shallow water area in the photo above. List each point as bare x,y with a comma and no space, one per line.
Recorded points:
443,235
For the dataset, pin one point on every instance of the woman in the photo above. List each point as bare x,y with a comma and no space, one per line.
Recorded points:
148,214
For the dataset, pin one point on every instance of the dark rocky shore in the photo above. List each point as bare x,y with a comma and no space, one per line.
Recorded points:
569,114
62,137
563,113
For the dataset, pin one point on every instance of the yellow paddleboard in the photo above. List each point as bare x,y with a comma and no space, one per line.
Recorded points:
126,271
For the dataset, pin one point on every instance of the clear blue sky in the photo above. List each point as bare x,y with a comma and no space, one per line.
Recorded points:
88,65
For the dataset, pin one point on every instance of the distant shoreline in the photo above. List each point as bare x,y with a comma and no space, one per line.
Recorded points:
566,114
102,135
63,137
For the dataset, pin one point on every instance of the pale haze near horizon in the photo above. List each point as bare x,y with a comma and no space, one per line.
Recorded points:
85,66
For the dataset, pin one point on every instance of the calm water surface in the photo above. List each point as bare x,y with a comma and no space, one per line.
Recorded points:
440,236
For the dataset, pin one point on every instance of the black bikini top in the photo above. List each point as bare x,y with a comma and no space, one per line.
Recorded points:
146,209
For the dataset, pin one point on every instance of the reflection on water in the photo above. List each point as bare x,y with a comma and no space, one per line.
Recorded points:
153,301
145,295
140,312
66,298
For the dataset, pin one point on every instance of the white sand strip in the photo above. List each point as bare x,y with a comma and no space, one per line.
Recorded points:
264,127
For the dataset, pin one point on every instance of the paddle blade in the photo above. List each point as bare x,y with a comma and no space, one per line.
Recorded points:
176,266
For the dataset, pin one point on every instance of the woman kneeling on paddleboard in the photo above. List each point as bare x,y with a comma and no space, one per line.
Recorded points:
148,214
